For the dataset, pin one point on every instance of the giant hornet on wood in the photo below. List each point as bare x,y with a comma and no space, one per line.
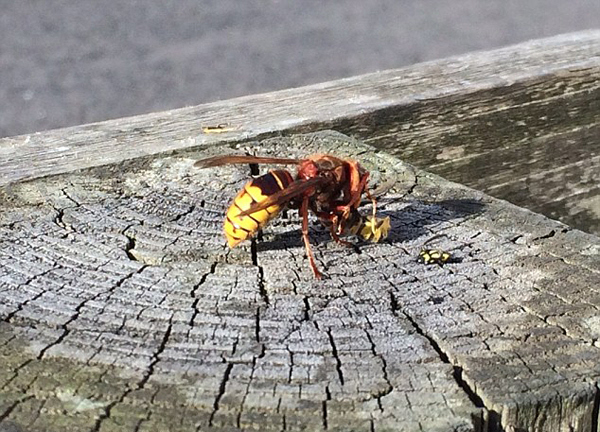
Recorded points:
330,187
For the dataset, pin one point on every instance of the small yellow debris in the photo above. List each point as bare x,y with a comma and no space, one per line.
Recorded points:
374,228
220,128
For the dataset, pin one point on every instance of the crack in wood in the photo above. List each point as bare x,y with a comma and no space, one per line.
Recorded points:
239,415
291,371
20,307
257,325
142,421
59,219
156,355
307,311
69,197
596,410
457,370
64,327
187,212
140,384
389,387
324,407
338,361
12,407
107,410
195,288
261,279
130,245
15,373
222,388
516,238
234,345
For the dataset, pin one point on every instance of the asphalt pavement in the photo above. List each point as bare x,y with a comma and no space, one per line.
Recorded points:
67,62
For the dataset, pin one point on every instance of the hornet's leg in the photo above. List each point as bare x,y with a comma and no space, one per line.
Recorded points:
334,228
373,201
356,193
311,258
355,196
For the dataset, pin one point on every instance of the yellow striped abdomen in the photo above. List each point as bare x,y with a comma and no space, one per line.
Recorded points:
237,228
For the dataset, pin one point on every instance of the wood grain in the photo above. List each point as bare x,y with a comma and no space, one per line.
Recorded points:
520,123
123,310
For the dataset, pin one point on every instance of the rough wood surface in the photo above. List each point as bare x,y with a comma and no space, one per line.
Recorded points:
123,310
521,123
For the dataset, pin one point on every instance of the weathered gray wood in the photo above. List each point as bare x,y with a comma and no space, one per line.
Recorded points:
124,277
122,309
521,123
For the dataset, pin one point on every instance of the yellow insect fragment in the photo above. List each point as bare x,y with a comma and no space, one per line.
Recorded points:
375,228
434,256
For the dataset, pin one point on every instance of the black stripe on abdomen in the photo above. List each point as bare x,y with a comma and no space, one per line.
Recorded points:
273,181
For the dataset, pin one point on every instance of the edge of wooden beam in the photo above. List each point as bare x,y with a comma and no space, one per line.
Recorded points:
300,109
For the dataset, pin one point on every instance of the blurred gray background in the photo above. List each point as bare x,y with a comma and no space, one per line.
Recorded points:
66,62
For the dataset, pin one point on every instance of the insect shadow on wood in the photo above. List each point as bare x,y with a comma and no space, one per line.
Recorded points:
408,222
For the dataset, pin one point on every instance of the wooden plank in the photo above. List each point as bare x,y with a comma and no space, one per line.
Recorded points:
533,142
122,308
491,120
124,277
